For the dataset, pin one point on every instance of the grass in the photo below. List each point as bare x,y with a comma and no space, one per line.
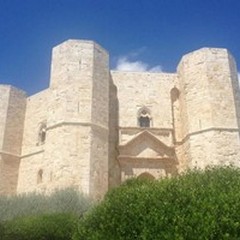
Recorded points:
60,201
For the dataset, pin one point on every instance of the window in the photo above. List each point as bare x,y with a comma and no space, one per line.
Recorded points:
144,118
42,133
144,121
39,176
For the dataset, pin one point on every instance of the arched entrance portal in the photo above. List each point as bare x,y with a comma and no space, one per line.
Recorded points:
146,175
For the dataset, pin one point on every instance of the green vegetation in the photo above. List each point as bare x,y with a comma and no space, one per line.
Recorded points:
39,217
61,201
198,205
58,226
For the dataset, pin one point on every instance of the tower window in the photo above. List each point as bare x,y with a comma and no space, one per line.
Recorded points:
144,118
144,121
39,176
42,133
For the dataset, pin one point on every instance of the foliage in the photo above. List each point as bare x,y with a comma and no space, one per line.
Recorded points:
58,226
198,205
61,201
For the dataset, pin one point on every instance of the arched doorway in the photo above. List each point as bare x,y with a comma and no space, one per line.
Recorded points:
146,175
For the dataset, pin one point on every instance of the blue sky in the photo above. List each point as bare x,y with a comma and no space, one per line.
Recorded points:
139,34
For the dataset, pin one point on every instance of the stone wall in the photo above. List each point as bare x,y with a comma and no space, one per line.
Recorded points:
32,158
113,137
99,164
4,98
75,152
137,89
209,107
84,132
12,113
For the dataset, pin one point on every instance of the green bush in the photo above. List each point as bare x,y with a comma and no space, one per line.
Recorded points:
60,201
198,205
58,226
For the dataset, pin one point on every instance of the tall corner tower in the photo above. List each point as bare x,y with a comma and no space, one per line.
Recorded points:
210,108
78,112
12,113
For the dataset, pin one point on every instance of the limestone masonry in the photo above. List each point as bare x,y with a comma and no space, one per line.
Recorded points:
94,128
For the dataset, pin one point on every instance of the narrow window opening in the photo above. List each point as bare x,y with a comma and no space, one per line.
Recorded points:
39,176
42,134
144,118
144,121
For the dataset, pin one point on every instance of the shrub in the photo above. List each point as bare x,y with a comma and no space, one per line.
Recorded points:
198,205
61,201
58,226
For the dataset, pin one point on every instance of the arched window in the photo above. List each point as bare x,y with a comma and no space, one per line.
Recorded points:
39,176
42,133
144,117
174,94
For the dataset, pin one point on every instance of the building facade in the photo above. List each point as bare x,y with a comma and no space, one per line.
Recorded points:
94,128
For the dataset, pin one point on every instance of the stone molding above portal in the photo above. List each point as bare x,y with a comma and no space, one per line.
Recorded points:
146,145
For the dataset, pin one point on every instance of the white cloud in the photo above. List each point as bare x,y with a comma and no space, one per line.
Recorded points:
157,68
125,64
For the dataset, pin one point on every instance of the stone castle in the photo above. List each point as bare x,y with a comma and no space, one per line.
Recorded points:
93,128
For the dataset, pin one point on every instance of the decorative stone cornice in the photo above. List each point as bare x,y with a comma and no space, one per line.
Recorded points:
84,124
9,154
31,154
206,130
